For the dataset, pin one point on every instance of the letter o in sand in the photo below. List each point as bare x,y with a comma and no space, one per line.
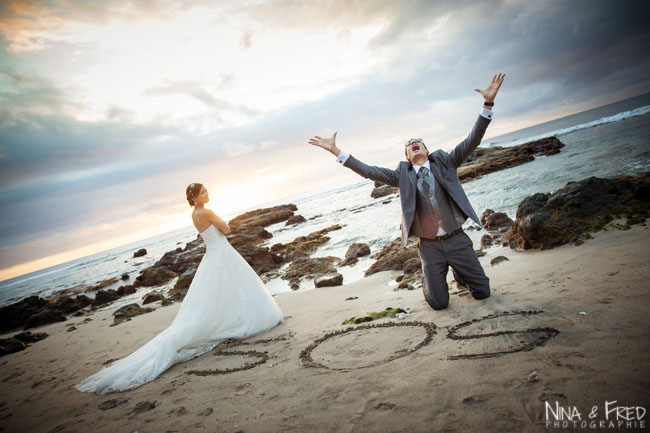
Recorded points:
350,348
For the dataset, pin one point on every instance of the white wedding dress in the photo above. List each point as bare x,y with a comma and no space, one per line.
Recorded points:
225,300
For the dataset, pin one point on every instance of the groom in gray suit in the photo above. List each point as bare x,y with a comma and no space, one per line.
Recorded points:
434,205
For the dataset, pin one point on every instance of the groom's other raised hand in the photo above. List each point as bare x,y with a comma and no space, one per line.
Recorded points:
491,90
328,144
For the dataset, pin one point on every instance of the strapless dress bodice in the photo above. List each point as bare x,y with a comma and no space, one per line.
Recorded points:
212,236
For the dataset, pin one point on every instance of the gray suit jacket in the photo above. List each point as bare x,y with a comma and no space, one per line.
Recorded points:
443,168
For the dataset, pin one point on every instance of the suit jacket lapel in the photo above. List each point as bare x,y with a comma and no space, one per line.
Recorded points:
413,176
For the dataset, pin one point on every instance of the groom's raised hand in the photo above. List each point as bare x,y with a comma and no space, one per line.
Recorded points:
491,90
328,144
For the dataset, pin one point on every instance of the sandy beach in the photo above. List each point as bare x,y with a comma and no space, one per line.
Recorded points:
582,340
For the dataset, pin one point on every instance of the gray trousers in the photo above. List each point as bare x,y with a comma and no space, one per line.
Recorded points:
457,252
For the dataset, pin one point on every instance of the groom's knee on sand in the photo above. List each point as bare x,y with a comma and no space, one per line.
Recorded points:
480,291
435,304
479,288
481,294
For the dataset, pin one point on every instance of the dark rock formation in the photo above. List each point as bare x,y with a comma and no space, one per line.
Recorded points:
67,306
295,219
498,259
263,217
305,267
152,297
54,310
15,315
329,280
260,258
179,260
43,318
382,190
412,265
177,293
126,290
105,297
492,220
486,241
303,246
125,276
101,285
30,338
242,236
19,342
488,160
349,261
141,252
247,233
357,249
10,345
393,257
155,276
125,313
579,208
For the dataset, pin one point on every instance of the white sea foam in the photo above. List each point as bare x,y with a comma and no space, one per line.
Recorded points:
559,132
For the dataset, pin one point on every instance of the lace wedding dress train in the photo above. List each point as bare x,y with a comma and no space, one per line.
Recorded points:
225,300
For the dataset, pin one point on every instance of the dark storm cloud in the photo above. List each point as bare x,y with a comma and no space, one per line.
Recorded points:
574,45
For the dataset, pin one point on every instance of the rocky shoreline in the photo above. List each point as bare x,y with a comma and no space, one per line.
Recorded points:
543,221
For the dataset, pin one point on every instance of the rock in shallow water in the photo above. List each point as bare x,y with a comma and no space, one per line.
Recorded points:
488,160
357,249
295,219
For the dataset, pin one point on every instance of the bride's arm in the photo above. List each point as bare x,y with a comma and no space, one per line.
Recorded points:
218,222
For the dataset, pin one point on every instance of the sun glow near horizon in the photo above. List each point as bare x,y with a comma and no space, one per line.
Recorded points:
227,199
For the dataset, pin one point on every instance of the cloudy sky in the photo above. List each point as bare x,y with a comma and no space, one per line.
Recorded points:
109,109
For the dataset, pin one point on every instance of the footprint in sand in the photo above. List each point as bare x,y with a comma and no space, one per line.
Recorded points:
500,334
365,346
111,404
206,412
385,406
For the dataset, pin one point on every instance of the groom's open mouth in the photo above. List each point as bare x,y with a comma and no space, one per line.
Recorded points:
415,148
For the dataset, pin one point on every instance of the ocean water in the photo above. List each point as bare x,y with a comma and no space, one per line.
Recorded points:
605,142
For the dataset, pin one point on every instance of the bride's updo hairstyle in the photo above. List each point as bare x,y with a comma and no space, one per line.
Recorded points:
192,191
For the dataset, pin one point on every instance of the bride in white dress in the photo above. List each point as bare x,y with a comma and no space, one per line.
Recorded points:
226,299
